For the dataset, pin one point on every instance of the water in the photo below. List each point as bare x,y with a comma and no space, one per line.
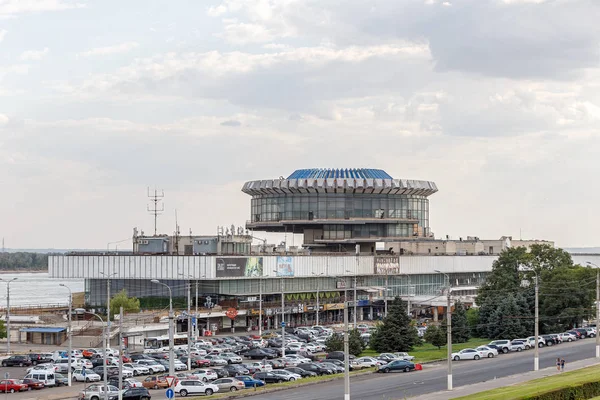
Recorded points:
37,288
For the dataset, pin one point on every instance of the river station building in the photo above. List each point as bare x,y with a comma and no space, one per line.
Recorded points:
367,238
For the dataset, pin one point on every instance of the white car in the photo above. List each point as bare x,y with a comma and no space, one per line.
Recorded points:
216,360
525,343
194,386
287,375
41,367
487,351
518,345
137,369
568,337
80,375
404,356
152,365
205,375
370,362
133,382
467,354
541,341
259,366
179,366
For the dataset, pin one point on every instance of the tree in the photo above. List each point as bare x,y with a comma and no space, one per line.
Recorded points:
460,327
473,320
355,343
395,333
2,330
129,304
435,336
506,320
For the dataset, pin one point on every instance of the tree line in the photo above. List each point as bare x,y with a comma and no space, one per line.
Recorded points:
23,261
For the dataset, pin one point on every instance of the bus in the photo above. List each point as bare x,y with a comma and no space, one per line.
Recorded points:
160,344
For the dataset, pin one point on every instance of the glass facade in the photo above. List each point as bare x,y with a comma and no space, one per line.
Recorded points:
336,206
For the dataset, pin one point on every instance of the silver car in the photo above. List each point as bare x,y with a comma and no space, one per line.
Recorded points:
96,392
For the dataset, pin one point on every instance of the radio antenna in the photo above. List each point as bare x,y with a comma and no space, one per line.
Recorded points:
156,198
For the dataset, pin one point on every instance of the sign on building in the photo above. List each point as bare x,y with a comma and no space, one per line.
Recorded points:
285,266
387,265
234,267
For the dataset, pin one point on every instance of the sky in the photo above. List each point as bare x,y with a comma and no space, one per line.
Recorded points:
496,101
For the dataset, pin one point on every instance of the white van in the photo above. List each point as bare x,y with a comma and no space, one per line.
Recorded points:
45,376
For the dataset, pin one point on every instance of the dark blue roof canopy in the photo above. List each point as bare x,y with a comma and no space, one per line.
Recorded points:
42,330
355,173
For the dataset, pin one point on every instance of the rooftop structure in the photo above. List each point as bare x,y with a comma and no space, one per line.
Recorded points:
337,209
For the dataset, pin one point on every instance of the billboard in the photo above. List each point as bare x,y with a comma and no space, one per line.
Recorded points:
387,265
285,266
236,267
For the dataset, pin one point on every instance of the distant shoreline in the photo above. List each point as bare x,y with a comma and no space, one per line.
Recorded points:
24,271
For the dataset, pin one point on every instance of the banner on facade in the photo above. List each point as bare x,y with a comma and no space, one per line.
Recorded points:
334,306
387,265
233,267
285,266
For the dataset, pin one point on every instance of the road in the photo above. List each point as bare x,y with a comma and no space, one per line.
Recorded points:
433,378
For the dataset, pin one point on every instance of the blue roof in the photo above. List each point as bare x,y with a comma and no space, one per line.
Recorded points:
42,330
355,173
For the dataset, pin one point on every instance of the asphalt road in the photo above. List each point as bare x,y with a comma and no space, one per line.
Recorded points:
433,378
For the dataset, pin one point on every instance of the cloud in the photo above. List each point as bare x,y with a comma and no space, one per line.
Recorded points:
109,50
244,33
13,7
3,119
2,35
34,55
231,122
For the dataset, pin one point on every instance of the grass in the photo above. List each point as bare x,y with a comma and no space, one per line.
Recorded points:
427,352
538,386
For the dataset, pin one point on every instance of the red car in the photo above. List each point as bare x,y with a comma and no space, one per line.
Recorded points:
33,383
12,385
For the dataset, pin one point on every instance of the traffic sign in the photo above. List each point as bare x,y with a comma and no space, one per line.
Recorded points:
283,324
170,393
170,380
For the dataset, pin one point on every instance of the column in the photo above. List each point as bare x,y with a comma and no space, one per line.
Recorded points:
435,314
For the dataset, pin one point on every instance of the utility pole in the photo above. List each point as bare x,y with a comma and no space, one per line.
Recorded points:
260,306
8,313
448,327
156,198
536,356
70,334
282,319
385,311
120,353
346,348
597,307
196,332
189,327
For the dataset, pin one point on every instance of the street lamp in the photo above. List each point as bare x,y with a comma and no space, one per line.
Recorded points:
282,318
8,313
70,331
536,353
448,328
408,295
189,324
318,286
105,352
597,307
108,276
260,322
171,355
354,297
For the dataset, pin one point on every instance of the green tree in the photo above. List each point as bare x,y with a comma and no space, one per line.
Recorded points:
2,330
395,333
473,320
129,304
461,331
355,344
435,336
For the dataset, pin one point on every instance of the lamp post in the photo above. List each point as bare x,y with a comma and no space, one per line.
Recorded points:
171,356
260,305
70,331
354,298
108,276
448,328
408,294
282,318
8,313
189,324
536,352
318,286
597,307
104,353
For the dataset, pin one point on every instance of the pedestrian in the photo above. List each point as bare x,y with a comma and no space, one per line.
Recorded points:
558,364
562,364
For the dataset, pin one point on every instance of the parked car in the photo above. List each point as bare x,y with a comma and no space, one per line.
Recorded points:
96,391
467,354
488,351
268,377
302,372
33,384
12,385
231,358
259,354
40,358
370,362
136,393
229,384
287,375
235,370
316,368
60,379
16,361
397,365
80,375
137,369
568,337
257,366
517,345
205,374
502,345
194,386
525,343
550,340
155,382
541,341
250,382
405,356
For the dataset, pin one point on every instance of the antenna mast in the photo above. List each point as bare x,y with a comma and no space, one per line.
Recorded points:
156,198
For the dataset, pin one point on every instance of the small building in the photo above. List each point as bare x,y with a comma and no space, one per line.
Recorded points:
44,335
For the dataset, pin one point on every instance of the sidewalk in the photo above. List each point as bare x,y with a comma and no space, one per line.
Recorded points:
502,382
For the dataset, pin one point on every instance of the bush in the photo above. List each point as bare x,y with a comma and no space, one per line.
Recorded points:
584,391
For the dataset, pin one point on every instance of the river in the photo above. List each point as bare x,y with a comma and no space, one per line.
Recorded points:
31,288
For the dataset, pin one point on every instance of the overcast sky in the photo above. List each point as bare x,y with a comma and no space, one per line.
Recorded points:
497,101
